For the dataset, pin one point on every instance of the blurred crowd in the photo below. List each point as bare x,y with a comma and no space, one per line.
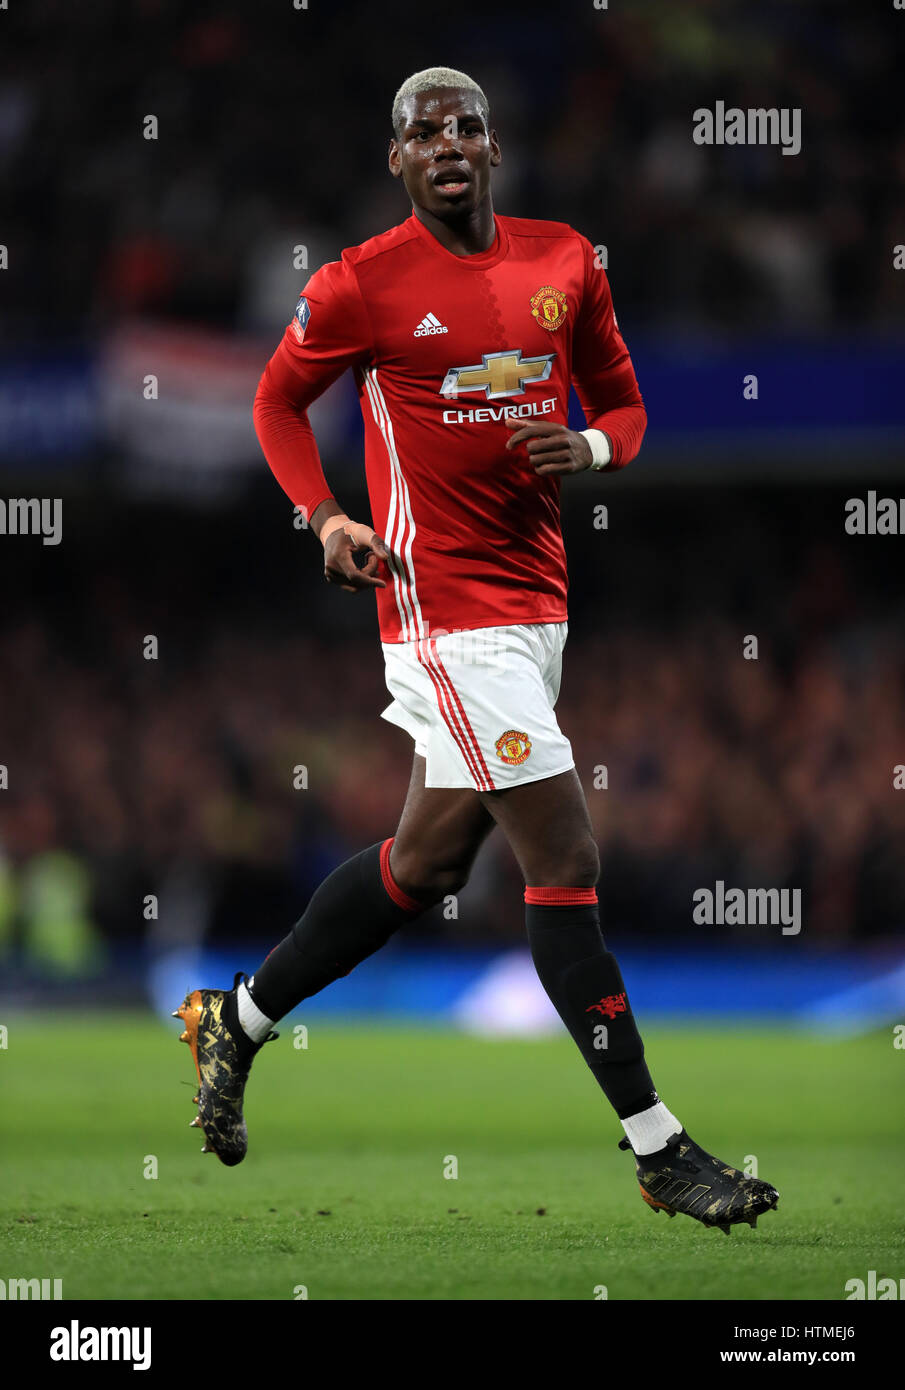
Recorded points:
273,123
228,775
206,792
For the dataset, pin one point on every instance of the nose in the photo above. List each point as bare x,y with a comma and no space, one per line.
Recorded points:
448,146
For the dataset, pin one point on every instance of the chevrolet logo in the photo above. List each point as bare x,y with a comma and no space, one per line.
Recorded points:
499,374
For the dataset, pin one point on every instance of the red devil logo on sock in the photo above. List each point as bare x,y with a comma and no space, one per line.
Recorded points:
610,1005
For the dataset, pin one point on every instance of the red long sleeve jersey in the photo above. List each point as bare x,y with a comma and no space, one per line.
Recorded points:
444,347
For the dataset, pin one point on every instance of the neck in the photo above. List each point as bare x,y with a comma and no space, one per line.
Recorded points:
466,236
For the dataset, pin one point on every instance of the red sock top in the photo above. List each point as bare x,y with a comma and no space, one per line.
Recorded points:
392,887
561,897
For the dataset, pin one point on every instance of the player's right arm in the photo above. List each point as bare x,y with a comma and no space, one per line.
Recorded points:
329,332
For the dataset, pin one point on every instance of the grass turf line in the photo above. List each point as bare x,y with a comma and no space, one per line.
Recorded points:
343,1189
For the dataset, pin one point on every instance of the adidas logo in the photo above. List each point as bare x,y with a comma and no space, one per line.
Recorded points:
429,324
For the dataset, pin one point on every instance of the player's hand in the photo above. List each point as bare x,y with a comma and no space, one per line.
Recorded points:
340,566
551,448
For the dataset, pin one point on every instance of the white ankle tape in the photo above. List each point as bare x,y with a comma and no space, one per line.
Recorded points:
649,1130
255,1024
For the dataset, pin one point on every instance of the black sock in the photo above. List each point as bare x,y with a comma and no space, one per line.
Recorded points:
585,986
352,914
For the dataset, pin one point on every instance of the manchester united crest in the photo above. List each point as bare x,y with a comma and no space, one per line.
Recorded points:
513,747
549,306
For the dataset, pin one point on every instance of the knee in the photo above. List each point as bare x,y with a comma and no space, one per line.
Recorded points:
424,878
588,867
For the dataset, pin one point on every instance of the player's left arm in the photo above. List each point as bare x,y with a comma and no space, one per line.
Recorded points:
607,390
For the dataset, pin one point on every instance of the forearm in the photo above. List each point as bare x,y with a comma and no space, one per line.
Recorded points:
612,402
624,426
288,441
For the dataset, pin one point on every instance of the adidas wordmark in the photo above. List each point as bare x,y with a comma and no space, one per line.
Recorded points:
428,325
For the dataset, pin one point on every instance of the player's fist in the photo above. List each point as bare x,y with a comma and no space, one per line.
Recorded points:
551,448
340,563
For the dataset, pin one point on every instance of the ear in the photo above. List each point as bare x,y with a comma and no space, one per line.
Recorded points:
496,154
394,159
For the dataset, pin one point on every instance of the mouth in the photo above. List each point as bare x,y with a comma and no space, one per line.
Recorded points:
451,182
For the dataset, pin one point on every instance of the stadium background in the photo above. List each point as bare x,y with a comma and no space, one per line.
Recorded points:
174,257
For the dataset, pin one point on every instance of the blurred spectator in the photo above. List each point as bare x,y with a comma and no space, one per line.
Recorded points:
174,777
274,122
157,774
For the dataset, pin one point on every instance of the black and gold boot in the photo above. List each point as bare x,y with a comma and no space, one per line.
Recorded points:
223,1057
684,1178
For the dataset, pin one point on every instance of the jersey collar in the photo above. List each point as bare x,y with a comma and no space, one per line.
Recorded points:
482,261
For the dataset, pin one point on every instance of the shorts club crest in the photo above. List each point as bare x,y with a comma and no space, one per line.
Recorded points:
513,747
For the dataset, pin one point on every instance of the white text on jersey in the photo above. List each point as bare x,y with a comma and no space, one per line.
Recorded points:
498,412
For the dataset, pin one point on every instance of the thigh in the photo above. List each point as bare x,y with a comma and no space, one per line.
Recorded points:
444,826
548,828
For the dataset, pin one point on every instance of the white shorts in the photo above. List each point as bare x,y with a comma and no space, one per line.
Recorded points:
479,704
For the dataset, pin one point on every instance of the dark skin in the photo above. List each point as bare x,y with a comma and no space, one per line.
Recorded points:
444,155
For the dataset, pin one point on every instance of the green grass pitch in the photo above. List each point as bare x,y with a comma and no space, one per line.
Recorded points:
343,1191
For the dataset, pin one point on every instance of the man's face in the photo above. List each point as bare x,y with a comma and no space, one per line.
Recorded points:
444,153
